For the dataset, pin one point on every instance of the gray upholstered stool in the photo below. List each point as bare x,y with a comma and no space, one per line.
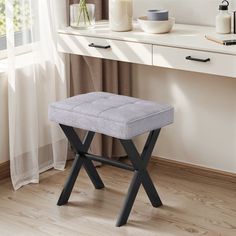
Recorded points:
119,117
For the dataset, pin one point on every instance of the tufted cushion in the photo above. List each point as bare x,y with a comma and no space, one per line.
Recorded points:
114,115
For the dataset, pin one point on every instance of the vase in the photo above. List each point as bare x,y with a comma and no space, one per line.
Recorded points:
82,17
120,15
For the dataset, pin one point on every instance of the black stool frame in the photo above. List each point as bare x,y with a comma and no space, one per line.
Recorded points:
139,165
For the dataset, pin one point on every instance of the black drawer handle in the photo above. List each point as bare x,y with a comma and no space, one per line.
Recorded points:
99,46
197,59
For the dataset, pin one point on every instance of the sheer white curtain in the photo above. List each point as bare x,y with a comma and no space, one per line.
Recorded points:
37,76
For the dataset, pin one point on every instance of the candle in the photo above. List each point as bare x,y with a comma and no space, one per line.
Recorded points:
120,15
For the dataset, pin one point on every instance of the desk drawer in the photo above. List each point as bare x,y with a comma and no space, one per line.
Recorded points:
105,48
184,59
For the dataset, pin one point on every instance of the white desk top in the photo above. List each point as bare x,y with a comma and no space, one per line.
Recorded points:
182,36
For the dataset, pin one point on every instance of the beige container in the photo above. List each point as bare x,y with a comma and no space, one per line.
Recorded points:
223,23
223,19
120,15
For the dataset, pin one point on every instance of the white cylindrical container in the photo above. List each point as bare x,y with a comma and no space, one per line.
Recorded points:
120,15
223,20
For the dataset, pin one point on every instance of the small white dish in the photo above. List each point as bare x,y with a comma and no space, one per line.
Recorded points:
156,27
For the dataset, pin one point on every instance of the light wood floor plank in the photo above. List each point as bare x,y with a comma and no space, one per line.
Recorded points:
193,205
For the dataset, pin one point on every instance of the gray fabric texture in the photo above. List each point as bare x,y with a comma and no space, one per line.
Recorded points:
114,115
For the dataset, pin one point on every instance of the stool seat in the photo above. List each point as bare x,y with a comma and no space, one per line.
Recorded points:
110,114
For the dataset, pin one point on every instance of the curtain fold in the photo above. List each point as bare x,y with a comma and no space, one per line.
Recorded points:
37,76
91,74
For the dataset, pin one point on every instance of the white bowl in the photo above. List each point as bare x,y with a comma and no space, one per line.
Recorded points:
156,27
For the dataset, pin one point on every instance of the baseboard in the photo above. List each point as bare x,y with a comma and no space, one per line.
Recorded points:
5,170
195,169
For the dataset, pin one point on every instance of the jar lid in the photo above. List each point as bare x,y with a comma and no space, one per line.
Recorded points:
224,7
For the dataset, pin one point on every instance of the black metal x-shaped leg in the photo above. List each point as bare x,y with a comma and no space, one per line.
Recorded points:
141,175
139,166
81,149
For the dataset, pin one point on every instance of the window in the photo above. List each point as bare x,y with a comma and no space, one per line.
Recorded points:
24,20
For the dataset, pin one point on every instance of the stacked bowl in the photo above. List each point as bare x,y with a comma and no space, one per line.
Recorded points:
156,22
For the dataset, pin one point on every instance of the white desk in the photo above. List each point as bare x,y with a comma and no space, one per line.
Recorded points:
166,50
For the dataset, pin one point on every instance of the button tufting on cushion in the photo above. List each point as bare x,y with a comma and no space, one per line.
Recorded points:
110,114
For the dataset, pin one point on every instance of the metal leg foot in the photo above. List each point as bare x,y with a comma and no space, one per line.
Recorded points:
151,190
129,201
141,176
66,192
80,160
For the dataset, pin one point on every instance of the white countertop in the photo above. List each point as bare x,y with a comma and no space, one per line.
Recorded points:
182,36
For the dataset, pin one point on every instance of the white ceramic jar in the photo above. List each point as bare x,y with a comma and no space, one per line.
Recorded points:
223,19
120,15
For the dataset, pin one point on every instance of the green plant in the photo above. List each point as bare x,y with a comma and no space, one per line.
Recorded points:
21,16
83,12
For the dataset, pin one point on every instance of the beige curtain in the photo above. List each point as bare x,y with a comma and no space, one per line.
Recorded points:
91,74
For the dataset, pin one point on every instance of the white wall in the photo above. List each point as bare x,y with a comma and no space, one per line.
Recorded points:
4,150
200,12
204,132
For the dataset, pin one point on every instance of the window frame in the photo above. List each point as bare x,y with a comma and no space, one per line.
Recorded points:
26,48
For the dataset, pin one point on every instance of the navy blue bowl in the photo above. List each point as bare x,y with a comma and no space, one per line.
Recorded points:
158,15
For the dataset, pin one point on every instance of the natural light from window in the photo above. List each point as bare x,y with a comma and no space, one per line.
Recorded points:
23,18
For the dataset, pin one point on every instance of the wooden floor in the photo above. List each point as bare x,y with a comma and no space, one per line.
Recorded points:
193,205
